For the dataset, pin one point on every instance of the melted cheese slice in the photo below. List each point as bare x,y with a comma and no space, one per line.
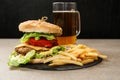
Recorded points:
34,47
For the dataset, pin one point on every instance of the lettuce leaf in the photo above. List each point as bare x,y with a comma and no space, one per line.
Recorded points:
37,36
16,60
56,49
52,52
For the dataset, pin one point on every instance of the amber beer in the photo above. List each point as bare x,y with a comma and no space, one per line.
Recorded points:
69,21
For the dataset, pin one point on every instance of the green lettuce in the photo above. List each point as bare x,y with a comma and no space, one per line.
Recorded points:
16,60
56,49
37,36
52,52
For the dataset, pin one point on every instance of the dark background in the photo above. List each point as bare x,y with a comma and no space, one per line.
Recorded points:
99,18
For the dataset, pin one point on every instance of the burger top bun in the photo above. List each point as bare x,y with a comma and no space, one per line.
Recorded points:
40,26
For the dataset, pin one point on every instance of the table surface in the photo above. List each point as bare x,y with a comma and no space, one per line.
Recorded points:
106,70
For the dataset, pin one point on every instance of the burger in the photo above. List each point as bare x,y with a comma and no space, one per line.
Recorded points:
40,33
39,41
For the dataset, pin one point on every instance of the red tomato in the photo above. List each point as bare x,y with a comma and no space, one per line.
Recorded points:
42,42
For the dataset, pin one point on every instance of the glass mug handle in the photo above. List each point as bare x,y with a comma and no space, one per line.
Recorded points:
78,27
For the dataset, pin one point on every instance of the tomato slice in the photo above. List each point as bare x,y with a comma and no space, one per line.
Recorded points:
42,42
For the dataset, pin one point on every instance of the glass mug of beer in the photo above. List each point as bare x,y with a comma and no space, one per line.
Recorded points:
67,17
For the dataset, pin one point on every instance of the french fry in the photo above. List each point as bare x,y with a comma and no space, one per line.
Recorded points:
73,62
66,61
91,50
87,61
69,55
74,54
82,56
92,54
56,57
102,56
81,46
57,62
35,61
91,57
79,60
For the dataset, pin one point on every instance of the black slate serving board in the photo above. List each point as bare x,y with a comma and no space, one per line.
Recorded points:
60,68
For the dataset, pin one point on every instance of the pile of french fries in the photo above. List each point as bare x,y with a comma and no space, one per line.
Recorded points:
74,54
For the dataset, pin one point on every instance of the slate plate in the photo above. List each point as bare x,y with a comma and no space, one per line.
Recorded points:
60,68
